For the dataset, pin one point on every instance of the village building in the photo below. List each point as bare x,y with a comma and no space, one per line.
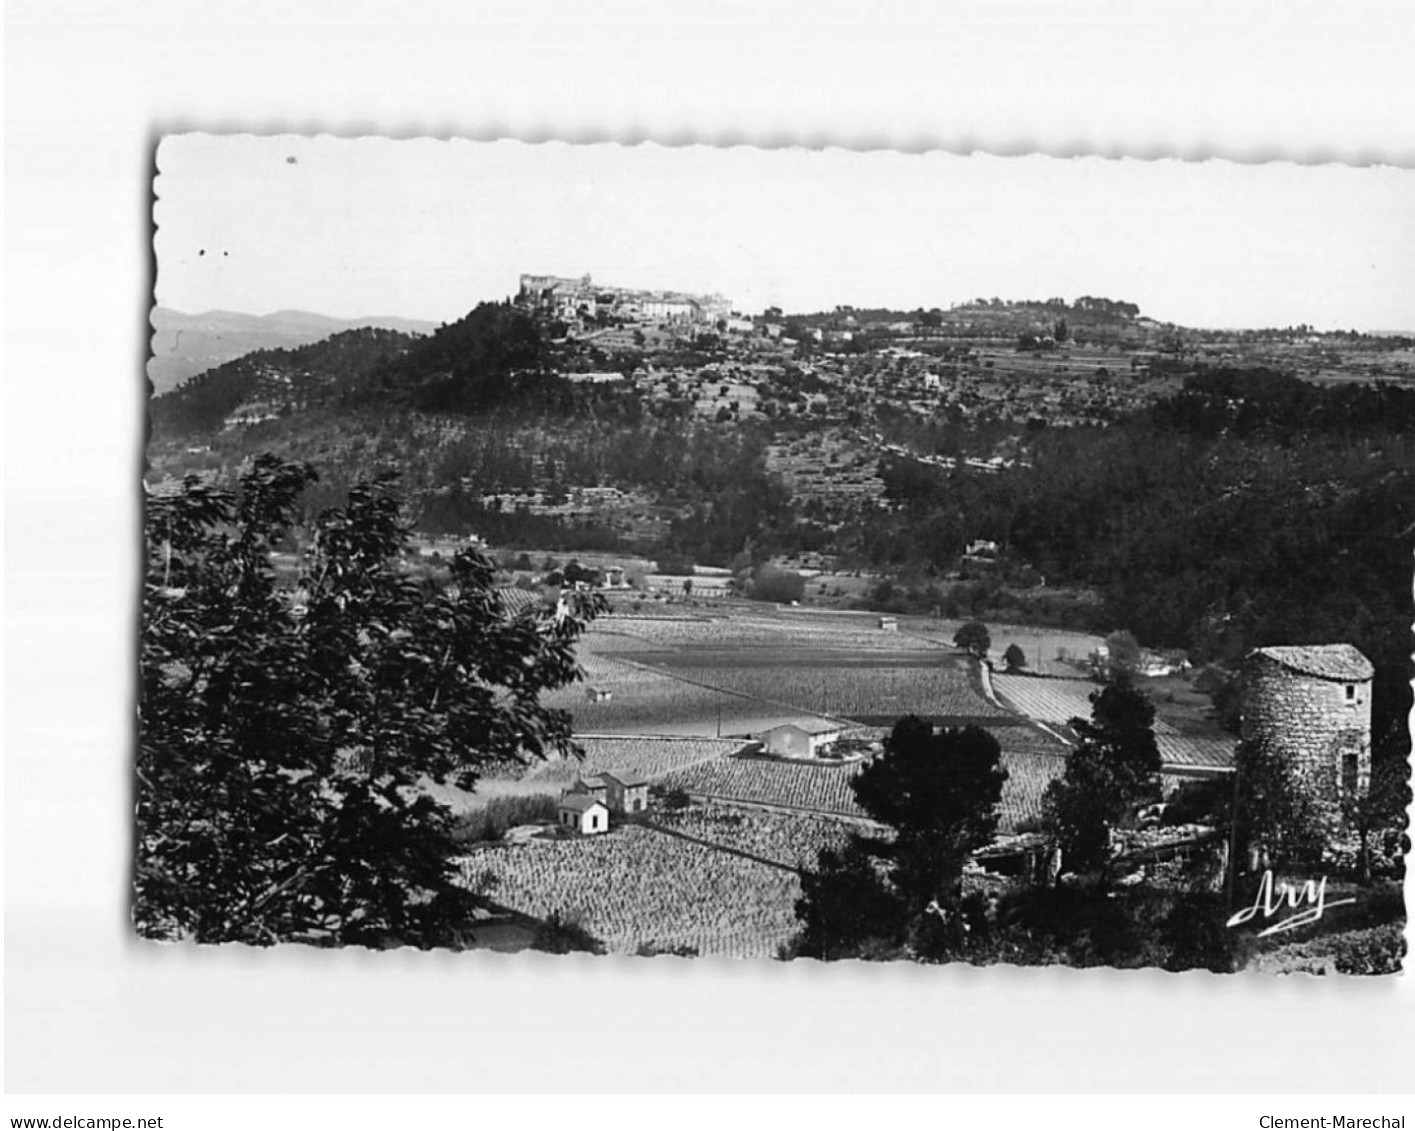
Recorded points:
628,792
579,299
598,694
583,814
889,624
1313,704
594,786
809,741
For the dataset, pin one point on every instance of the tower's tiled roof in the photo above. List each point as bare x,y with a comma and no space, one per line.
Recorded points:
1327,661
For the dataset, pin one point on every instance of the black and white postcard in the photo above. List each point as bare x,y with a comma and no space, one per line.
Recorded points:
777,554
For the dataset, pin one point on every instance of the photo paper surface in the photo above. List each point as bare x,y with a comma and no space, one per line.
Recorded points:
777,554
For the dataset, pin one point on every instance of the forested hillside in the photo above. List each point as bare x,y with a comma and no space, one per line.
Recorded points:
1246,507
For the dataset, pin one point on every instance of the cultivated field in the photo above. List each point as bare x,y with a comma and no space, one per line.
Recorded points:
643,701
1028,775
1048,651
783,838
1054,701
652,757
636,886
825,789
768,781
751,629
1195,750
861,691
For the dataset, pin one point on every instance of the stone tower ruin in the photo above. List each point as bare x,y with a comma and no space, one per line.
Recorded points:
1313,704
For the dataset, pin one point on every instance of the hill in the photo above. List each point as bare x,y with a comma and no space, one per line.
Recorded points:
184,345
271,383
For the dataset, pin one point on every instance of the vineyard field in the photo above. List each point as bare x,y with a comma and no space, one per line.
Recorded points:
636,887
854,691
1194,750
785,838
1048,651
826,789
1054,701
643,701
753,631
652,757
767,781
1028,775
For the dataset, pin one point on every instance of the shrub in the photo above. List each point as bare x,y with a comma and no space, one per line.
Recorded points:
674,799
780,585
1378,950
561,934
652,950
490,821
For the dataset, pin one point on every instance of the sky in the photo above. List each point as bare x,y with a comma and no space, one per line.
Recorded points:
428,228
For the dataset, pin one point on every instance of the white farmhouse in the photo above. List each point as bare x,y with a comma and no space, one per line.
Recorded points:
585,814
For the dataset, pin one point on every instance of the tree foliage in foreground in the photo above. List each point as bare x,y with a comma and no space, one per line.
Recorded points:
939,791
1114,769
286,739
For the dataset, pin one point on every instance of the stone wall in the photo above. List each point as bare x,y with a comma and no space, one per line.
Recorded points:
1317,722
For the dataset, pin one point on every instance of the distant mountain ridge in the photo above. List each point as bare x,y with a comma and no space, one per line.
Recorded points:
184,345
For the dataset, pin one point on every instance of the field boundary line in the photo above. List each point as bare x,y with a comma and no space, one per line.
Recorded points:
842,723
742,852
788,810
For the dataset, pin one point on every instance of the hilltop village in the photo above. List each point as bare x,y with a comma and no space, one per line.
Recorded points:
1052,526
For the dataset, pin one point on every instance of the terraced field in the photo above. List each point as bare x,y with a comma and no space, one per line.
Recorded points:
635,887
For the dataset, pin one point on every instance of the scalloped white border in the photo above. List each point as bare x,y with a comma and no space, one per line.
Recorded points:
88,89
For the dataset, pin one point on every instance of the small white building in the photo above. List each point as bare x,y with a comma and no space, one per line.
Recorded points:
792,741
889,624
584,814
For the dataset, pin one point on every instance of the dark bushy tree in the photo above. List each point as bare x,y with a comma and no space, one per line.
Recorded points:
1114,769
847,908
973,638
1382,808
939,792
284,741
1014,658
780,585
